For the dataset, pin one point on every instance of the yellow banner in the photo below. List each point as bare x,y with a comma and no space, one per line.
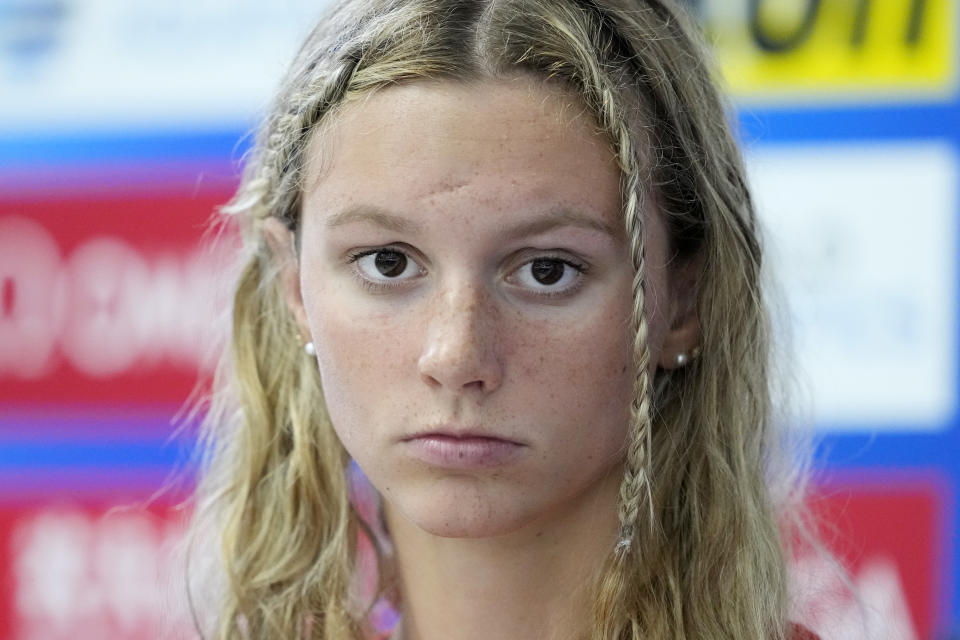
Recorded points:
829,47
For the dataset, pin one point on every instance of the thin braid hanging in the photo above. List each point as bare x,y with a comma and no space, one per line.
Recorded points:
636,484
636,480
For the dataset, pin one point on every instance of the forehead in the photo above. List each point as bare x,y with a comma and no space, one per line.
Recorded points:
495,145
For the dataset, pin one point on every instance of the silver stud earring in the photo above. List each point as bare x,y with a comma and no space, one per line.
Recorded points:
682,359
310,349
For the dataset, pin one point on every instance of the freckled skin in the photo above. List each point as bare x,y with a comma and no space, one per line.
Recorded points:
463,343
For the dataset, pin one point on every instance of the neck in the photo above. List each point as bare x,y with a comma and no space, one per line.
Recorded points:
534,582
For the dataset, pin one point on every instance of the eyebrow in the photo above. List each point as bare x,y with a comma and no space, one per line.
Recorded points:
560,217
373,215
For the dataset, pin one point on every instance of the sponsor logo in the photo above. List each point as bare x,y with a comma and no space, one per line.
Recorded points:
106,308
107,573
812,48
109,301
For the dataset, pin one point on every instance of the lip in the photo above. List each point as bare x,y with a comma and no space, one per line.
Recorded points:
462,449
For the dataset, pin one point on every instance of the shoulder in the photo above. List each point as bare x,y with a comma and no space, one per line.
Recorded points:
798,632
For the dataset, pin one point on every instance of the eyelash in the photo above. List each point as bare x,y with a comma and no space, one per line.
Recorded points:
385,285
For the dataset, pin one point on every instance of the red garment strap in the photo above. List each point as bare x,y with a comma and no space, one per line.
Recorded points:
802,633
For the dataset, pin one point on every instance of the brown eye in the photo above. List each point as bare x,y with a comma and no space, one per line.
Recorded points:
549,276
547,271
390,263
385,266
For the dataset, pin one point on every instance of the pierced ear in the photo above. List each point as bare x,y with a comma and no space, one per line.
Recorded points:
682,339
283,252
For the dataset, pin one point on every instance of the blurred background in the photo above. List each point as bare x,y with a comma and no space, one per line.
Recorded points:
123,126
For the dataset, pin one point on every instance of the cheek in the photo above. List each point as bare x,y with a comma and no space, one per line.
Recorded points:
562,360
362,359
577,376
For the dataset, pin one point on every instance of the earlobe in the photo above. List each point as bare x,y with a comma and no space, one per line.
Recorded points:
284,256
681,343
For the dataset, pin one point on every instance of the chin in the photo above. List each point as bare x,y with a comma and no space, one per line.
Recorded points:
467,528
463,515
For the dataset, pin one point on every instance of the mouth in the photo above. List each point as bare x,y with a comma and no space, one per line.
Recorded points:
462,449
455,434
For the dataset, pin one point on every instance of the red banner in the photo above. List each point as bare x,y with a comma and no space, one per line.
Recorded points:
93,570
889,533
107,301
87,569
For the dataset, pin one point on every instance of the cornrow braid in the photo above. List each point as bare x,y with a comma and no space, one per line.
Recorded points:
283,162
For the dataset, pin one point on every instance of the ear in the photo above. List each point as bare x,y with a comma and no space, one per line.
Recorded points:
683,335
284,254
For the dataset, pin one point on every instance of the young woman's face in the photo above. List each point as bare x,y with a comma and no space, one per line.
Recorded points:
466,280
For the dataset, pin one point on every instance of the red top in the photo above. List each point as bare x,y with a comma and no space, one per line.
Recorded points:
797,632
802,633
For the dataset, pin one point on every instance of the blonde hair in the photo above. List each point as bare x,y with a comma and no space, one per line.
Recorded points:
701,552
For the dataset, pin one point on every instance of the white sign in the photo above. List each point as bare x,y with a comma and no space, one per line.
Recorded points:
101,64
864,243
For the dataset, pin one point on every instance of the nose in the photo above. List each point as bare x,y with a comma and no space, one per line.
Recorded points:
460,349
